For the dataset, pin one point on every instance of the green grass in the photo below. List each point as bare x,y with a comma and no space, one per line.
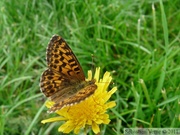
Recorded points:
139,44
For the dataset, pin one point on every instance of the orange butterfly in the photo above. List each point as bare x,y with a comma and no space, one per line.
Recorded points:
64,81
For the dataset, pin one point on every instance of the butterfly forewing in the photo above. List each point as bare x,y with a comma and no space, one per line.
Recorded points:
64,81
61,58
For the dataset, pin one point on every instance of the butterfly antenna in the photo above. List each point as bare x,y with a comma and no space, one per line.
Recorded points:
93,65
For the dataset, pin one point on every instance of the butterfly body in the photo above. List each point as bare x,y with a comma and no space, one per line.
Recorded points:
64,81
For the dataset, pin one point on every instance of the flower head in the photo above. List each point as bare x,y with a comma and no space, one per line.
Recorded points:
90,112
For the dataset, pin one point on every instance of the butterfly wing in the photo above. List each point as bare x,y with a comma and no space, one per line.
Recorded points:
81,95
52,82
61,90
63,70
61,59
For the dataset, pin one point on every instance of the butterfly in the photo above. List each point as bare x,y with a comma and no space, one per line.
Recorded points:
63,82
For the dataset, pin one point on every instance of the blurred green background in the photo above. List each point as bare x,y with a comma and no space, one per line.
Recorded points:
138,41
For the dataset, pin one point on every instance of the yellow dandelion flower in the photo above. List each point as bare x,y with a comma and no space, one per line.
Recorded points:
90,112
